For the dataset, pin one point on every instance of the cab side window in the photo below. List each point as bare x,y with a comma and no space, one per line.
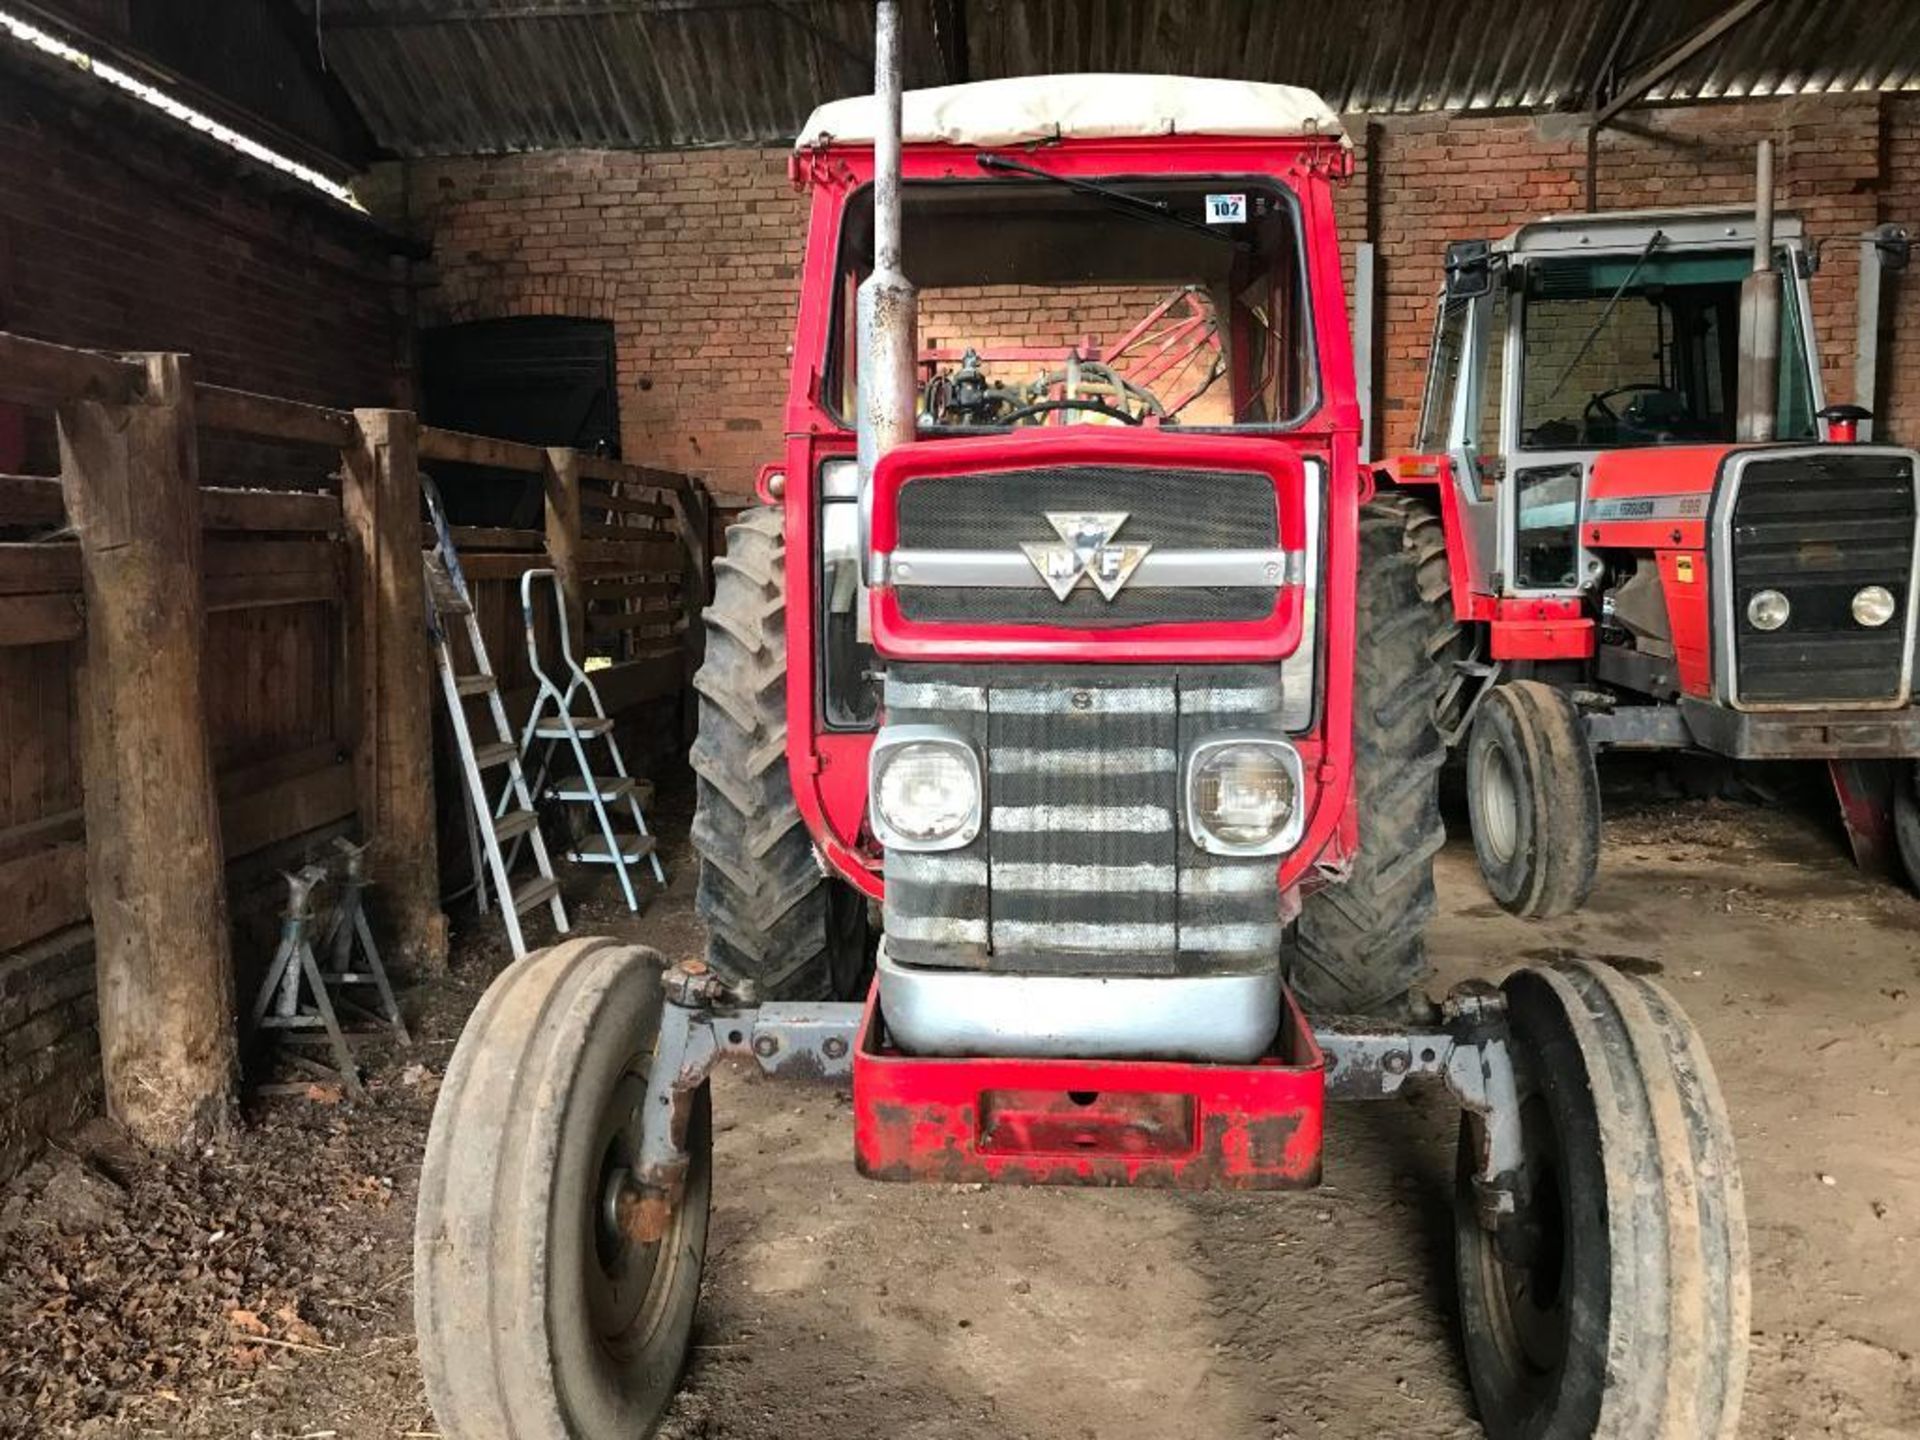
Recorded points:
1493,357
1443,376
1483,398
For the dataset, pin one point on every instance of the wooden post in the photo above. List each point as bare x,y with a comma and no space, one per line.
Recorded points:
692,523
393,750
155,874
562,476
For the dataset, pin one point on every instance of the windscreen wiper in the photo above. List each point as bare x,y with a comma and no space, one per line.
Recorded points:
1121,200
1653,241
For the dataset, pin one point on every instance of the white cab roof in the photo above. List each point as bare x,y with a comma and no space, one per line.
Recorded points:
1079,107
1610,232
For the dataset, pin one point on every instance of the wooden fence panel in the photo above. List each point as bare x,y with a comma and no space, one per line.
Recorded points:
271,678
39,743
282,671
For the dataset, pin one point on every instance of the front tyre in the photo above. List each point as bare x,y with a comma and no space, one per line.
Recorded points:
537,1318
1614,1305
1533,797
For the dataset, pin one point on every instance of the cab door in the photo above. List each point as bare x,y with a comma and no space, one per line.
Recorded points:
1460,415
1539,505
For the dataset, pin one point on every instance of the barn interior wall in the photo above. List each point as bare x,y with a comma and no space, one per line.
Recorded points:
1436,179
695,255
117,235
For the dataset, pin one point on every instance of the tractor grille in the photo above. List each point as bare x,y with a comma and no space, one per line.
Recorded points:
1173,508
1817,526
1084,864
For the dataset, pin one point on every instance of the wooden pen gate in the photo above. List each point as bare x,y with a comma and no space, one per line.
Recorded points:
277,636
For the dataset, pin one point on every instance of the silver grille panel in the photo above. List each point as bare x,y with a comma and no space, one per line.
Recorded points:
1084,865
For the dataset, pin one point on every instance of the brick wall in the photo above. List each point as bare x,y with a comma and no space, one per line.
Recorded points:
117,235
49,1043
1057,318
1435,179
695,255
1900,339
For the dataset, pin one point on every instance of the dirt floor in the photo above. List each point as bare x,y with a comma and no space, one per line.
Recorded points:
262,1290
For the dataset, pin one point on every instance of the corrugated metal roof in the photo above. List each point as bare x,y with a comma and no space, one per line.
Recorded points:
437,77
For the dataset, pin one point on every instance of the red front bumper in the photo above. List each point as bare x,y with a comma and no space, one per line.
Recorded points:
1091,1122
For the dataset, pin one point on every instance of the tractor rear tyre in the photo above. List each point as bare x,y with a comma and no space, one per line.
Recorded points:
1533,797
777,927
1359,947
537,1318
1614,1304
1906,818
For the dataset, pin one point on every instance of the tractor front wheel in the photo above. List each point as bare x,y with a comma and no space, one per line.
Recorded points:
1614,1302
538,1317
1534,800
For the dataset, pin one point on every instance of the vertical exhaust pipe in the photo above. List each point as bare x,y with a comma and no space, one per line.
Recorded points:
1759,378
886,303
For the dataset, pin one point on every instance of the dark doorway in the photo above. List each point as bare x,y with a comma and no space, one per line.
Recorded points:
543,379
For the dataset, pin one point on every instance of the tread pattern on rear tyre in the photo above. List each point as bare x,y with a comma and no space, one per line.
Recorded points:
1359,946
761,891
486,1182
1682,1297
1906,818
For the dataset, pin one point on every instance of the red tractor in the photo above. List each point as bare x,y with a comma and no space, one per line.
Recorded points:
1650,543
1067,783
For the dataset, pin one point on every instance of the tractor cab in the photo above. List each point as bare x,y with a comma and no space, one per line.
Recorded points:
1659,536
1579,336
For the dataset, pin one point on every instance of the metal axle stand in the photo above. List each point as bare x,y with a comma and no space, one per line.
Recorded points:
292,963
350,928
295,970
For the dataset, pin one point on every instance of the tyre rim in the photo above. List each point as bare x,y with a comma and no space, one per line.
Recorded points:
621,1277
1499,802
1527,1283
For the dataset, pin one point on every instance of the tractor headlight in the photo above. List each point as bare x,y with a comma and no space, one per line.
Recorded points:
1768,610
923,788
1873,606
1243,795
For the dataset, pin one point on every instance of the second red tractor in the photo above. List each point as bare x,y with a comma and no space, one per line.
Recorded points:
1656,534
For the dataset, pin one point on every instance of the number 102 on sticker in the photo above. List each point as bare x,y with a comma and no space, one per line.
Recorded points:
1226,209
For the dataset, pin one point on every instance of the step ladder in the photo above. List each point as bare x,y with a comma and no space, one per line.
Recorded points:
512,819
574,718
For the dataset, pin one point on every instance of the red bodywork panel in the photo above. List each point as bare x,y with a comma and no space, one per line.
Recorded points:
1538,628
1091,1122
1656,502
829,768
1652,501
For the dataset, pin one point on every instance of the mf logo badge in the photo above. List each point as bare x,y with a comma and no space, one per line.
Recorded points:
1087,549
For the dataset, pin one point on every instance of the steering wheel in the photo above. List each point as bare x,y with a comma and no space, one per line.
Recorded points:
1043,407
1598,408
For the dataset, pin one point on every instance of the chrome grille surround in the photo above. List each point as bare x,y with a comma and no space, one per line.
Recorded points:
1084,865
1817,523
1188,516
